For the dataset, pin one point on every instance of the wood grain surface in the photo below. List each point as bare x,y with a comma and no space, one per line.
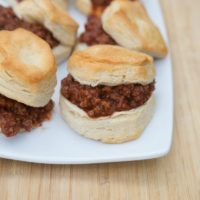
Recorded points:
174,177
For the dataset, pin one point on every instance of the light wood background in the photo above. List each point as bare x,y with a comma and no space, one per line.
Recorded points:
174,177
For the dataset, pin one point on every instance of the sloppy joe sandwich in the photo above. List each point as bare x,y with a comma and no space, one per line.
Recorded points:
27,81
61,3
126,24
44,19
108,94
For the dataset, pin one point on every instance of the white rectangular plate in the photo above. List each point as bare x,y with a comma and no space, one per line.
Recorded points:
56,143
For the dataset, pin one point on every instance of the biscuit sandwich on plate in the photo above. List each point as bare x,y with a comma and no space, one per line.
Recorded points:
46,20
61,3
126,24
108,94
27,81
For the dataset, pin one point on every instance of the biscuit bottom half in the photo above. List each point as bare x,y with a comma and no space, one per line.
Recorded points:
16,117
119,128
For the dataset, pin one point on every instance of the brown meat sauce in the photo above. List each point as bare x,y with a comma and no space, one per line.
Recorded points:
101,101
101,2
94,33
9,21
15,116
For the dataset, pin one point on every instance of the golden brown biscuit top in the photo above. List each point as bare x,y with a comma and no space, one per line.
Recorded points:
25,57
130,26
111,65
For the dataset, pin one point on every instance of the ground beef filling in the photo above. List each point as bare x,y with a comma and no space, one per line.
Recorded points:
9,21
103,3
94,33
15,116
102,100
